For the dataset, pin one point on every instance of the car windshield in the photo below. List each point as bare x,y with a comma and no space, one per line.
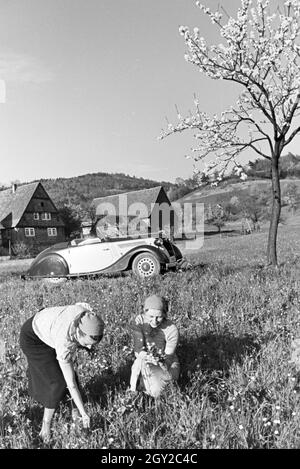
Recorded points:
107,230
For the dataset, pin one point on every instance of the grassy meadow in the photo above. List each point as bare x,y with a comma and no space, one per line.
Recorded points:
237,389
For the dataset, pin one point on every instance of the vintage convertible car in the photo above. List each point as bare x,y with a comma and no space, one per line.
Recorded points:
146,257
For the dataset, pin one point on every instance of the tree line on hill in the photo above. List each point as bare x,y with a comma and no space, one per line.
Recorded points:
289,167
81,190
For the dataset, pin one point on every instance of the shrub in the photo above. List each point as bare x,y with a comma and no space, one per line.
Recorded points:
20,250
3,251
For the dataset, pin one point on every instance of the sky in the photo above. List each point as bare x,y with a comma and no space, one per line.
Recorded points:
91,83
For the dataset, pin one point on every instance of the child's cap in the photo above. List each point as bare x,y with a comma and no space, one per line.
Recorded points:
155,302
91,324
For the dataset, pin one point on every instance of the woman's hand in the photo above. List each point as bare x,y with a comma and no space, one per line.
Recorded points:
86,420
139,319
69,375
163,367
151,360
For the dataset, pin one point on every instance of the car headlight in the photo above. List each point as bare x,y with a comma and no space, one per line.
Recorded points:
158,242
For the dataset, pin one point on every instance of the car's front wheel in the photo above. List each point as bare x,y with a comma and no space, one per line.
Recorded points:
146,265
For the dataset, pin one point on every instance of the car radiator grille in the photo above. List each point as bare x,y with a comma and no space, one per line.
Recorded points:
169,247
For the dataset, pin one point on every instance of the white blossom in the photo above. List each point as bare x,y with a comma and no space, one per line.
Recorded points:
259,49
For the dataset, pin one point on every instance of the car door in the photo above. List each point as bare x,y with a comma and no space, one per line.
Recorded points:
88,258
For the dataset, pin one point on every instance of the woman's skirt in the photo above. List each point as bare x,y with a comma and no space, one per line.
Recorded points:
152,379
45,379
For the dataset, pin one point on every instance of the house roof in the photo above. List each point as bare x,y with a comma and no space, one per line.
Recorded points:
145,196
16,203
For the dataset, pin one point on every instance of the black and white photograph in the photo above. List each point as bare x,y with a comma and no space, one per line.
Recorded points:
149,228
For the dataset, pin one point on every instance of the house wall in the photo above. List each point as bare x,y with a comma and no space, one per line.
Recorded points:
13,237
160,212
40,203
28,220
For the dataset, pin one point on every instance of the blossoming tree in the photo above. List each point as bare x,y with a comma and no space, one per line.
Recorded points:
260,51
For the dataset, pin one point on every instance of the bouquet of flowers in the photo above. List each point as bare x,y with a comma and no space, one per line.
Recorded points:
155,355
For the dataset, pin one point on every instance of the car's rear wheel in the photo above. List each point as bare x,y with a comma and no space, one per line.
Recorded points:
146,265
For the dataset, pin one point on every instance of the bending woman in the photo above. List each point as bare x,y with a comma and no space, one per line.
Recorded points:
49,340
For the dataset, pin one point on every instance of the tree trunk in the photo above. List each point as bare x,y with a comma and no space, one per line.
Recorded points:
276,209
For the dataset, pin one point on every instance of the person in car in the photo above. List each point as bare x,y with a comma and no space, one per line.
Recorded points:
155,339
49,340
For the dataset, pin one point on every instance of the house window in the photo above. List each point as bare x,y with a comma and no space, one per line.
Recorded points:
36,216
46,216
52,231
29,232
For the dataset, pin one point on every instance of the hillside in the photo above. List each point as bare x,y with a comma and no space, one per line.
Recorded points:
252,197
258,181
289,166
227,190
81,190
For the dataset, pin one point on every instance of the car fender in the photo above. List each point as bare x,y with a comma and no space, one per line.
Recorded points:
161,255
51,264
125,261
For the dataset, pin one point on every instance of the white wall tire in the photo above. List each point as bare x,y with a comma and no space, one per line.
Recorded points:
146,265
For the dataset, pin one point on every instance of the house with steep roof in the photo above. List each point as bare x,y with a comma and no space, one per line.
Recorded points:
29,216
146,211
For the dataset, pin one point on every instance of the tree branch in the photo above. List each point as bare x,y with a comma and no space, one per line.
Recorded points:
293,134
